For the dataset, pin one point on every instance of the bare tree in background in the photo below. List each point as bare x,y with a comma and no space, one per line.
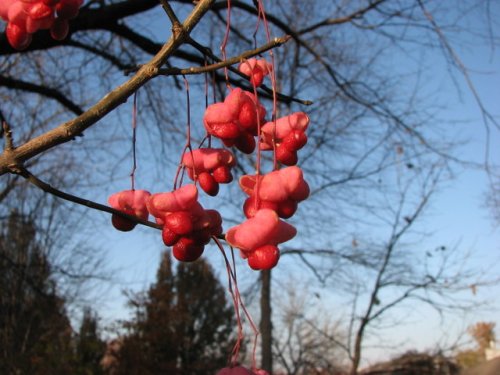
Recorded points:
303,340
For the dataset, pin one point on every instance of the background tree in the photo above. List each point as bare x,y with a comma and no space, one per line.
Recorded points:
183,325
483,335
35,331
90,348
307,339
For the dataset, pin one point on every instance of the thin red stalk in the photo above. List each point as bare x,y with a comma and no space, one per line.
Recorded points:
206,84
273,80
206,76
235,297
247,314
225,40
256,29
259,148
134,139
187,146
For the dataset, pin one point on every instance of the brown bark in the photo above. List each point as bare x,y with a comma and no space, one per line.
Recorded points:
265,322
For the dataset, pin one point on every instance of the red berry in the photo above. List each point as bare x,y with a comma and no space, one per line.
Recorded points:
264,258
50,2
250,208
245,143
18,38
201,237
286,156
186,250
215,221
287,208
229,142
295,140
122,224
226,130
68,9
179,222
169,237
59,29
222,175
248,115
257,77
208,183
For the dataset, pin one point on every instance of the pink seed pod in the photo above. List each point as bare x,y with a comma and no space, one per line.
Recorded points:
208,159
18,37
39,10
287,183
256,69
131,202
17,14
284,125
236,119
182,199
265,228
5,5
278,186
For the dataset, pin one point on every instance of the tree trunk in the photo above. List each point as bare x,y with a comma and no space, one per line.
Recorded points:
357,347
265,321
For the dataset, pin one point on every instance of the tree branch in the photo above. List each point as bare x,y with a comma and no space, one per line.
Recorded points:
112,100
84,202
52,93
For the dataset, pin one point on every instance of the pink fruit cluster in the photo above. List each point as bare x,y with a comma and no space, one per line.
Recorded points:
280,191
256,69
210,166
277,195
26,17
272,197
235,121
131,202
288,134
258,237
187,226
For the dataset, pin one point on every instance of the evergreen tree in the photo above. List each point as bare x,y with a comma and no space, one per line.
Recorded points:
182,325
35,333
89,346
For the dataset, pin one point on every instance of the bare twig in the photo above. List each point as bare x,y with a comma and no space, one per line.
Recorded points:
170,13
9,142
283,97
67,131
222,64
84,202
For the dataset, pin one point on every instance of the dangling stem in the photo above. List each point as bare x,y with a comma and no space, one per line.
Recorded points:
187,146
134,139
225,40
273,81
231,275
